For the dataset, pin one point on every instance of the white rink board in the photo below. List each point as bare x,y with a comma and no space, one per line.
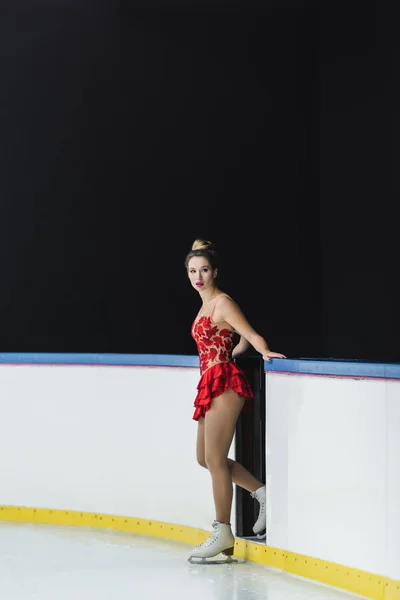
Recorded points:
333,464
115,440
393,479
121,440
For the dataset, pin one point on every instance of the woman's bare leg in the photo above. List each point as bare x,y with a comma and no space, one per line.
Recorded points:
242,477
219,428
200,447
239,474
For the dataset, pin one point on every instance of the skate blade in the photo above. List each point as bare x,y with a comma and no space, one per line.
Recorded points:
260,535
211,561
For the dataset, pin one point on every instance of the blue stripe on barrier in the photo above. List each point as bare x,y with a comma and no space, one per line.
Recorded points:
154,360
338,368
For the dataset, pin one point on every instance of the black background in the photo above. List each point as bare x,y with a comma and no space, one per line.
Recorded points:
129,130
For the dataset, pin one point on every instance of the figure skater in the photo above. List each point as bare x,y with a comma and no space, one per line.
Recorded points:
223,390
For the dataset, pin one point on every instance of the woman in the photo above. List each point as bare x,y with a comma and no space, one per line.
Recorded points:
222,391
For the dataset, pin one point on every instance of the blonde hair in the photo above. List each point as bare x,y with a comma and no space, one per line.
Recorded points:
202,245
206,249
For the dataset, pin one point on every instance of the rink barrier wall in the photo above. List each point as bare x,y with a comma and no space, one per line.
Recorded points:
358,581
333,462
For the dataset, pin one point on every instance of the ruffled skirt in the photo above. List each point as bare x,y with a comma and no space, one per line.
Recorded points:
216,380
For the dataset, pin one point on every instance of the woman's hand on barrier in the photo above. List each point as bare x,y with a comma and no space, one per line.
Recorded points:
269,355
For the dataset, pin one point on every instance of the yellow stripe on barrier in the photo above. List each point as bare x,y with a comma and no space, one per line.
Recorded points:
348,579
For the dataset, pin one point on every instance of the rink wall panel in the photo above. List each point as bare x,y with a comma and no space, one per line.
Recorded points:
109,439
99,437
333,468
393,479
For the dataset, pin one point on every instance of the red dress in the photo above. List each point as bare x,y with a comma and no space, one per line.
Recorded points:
218,372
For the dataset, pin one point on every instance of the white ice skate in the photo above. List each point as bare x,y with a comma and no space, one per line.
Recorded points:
221,540
260,525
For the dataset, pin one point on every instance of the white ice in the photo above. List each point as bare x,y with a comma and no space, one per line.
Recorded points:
46,562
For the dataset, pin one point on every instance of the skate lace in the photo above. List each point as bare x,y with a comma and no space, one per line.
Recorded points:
261,503
209,541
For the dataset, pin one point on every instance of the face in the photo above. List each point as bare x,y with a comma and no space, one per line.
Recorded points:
201,276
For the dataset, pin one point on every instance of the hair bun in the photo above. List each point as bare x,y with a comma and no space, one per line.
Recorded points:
202,245
203,248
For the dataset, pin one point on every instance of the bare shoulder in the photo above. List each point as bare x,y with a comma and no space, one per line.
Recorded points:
224,299
224,305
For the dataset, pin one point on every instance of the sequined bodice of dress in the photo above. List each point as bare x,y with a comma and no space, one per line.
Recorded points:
214,343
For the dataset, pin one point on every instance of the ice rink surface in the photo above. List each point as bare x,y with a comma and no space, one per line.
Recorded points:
47,562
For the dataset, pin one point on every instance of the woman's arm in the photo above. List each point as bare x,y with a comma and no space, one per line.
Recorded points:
241,347
230,312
